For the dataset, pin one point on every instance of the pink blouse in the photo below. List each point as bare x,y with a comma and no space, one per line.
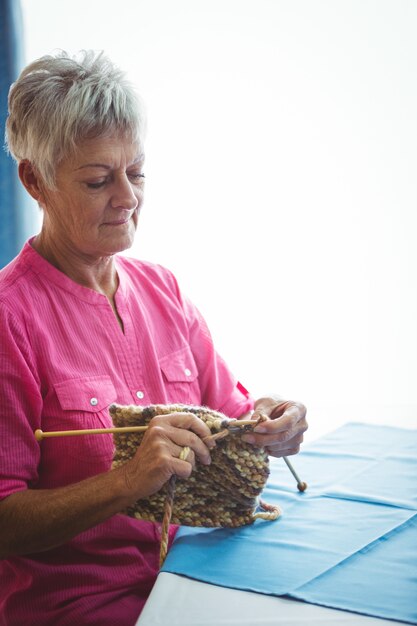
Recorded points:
64,360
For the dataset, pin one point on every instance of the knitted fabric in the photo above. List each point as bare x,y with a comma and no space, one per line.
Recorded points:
222,494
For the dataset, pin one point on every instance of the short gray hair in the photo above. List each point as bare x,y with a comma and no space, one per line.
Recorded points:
59,101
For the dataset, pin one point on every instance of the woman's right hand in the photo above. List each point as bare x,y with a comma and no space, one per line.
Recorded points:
157,458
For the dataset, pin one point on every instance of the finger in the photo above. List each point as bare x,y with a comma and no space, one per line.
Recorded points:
187,421
287,422
279,440
272,405
182,469
280,452
174,427
186,438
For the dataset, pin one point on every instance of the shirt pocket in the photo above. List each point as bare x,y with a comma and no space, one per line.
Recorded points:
91,395
84,404
180,376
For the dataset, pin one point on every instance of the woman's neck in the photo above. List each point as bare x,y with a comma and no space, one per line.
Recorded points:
98,274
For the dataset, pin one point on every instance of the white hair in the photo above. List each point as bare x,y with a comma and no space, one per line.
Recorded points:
59,101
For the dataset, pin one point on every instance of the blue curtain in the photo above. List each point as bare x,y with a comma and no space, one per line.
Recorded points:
18,213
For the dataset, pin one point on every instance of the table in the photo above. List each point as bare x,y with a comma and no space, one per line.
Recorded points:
350,542
179,601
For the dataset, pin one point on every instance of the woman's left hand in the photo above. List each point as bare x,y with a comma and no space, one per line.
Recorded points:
282,433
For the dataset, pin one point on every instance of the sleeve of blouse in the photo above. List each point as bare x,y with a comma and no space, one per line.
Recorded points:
220,390
20,408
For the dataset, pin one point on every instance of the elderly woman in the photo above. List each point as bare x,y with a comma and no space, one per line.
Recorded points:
80,328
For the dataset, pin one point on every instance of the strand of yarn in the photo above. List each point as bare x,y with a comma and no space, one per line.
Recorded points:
169,503
270,511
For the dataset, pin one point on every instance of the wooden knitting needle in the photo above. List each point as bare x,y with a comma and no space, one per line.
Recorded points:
301,485
39,434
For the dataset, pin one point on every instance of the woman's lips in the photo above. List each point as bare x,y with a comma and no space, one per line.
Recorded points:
116,222
120,221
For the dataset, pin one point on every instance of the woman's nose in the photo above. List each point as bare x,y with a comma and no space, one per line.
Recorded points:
124,195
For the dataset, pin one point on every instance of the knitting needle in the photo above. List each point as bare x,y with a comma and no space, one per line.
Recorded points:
301,485
39,434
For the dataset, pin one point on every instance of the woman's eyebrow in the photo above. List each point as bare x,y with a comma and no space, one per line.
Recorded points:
106,166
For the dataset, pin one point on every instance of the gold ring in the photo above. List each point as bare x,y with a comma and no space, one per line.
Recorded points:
185,451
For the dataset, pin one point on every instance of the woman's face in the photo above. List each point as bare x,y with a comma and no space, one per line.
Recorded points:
99,192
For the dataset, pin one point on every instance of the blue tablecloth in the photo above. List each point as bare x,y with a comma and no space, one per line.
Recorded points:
349,541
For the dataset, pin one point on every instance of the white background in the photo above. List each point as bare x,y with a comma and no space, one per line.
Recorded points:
281,182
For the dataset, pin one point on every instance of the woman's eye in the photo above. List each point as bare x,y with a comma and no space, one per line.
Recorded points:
96,185
136,177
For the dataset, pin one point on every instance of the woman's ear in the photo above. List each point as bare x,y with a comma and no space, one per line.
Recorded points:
31,180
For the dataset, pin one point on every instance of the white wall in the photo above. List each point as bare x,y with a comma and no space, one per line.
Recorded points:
281,181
